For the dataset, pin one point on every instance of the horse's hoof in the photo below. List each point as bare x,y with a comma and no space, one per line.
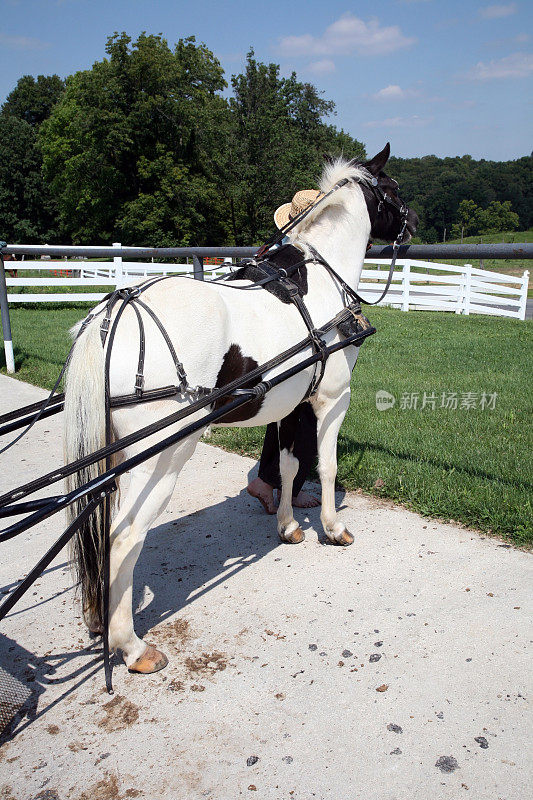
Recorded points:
150,661
345,538
294,537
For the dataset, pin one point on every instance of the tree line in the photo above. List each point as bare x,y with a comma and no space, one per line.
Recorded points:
145,148
499,194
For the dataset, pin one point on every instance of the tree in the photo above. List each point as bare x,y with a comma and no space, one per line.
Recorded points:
469,216
127,148
498,217
275,146
32,100
28,208
143,148
473,220
435,188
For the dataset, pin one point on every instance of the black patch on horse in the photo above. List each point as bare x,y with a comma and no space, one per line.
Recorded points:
285,257
236,365
287,430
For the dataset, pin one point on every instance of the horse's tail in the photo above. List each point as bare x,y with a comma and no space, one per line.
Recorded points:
84,432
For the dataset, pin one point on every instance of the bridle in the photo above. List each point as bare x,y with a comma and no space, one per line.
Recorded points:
383,199
403,211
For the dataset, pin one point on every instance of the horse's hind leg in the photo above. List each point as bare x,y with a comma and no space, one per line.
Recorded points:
330,414
288,529
150,489
146,497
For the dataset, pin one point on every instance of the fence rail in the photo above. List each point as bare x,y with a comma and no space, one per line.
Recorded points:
416,284
468,251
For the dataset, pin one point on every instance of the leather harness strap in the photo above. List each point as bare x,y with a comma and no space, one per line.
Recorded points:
54,402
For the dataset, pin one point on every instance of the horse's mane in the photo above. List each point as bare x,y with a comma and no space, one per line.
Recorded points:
339,168
334,171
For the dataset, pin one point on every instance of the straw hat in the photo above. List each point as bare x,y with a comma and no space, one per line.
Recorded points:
301,200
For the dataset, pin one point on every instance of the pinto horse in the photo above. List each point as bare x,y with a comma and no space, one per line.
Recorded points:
220,335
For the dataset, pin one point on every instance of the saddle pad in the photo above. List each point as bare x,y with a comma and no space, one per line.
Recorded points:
284,257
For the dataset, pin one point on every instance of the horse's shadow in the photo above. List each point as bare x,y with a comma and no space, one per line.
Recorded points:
185,558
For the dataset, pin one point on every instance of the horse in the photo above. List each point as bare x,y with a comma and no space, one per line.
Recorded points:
220,335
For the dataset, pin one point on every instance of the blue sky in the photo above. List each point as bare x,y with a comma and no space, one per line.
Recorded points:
438,77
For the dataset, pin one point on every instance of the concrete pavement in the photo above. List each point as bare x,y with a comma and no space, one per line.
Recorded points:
395,669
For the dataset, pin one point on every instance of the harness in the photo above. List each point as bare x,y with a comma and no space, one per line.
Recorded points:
278,271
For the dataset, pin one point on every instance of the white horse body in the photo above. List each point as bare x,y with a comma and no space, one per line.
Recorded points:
203,321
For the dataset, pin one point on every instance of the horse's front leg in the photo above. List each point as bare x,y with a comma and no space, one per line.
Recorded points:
288,528
330,413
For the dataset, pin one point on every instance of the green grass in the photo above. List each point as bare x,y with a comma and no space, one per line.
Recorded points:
468,465
508,237
473,466
40,339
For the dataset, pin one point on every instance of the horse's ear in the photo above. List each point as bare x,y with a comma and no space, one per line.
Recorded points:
376,164
328,159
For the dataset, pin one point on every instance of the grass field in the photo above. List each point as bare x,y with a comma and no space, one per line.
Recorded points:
473,465
511,266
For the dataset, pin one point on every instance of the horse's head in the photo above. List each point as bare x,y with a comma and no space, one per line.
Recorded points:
356,197
386,211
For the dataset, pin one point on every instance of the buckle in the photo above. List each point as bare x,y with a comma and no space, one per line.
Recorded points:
139,382
319,342
180,371
129,292
290,286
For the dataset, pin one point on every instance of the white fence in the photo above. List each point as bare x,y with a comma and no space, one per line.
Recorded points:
429,286
415,285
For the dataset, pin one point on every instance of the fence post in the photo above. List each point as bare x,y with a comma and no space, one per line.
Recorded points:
523,296
468,289
6,324
198,267
461,293
117,266
406,285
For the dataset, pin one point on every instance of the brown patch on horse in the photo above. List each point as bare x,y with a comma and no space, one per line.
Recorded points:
236,365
